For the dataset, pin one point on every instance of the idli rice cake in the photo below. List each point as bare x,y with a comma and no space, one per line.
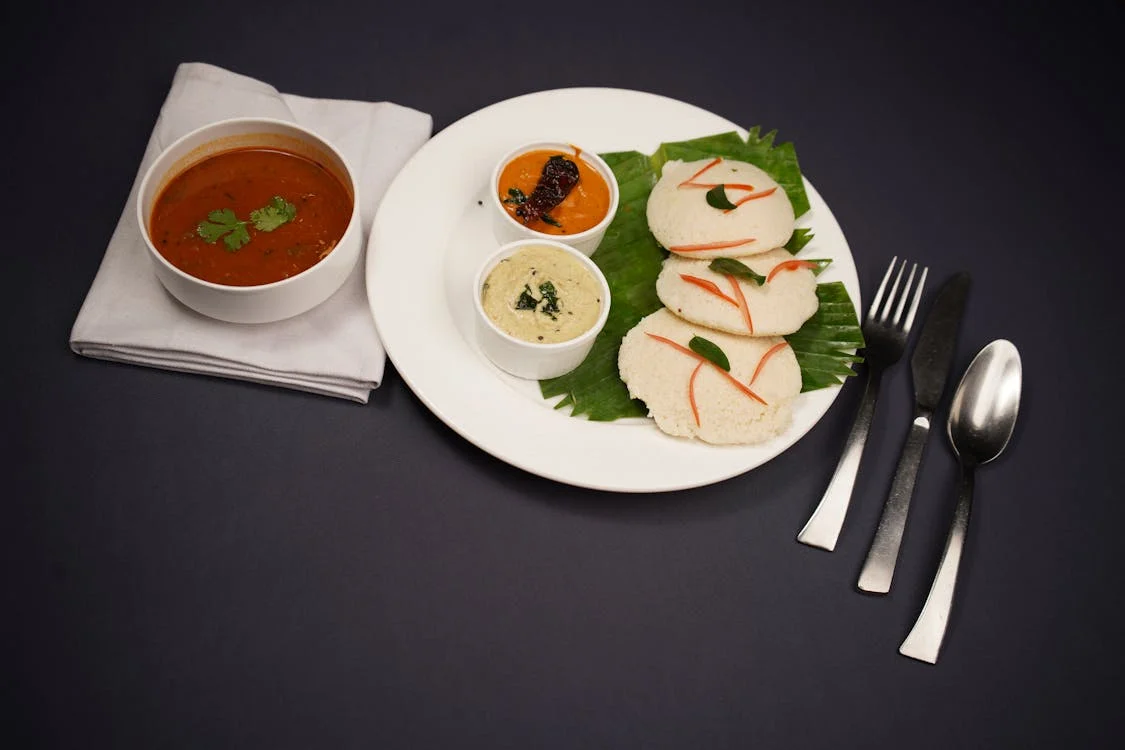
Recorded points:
689,396
682,220
779,307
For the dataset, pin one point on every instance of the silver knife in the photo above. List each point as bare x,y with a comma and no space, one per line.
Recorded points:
929,365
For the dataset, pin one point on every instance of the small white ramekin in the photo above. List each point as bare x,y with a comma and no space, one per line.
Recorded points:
266,302
508,229
523,358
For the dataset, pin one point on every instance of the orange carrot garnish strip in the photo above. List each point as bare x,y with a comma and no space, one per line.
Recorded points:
745,308
691,393
728,185
711,245
709,286
762,362
710,164
701,358
678,347
752,196
789,265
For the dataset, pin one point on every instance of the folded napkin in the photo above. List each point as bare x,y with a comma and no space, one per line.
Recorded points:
332,349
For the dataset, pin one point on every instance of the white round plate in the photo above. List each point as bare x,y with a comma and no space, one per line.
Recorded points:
433,229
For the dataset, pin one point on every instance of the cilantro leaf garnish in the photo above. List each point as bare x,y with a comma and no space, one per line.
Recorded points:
732,267
717,198
268,218
237,237
225,224
710,351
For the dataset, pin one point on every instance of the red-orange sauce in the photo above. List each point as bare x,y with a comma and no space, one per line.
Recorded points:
585,206
244,180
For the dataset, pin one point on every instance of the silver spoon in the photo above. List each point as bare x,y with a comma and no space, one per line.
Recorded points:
981,419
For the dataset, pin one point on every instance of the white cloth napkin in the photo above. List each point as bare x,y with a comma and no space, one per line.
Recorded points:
333,349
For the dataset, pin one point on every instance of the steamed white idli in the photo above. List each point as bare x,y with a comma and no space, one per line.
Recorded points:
682,220
660,373
779,307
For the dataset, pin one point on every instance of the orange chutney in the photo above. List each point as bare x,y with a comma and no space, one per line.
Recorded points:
245,180
582,209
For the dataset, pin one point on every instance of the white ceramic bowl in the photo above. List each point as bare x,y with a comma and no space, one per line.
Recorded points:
266,302
508,229
523,358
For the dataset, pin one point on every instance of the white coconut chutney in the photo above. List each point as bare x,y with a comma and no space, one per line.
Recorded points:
543,295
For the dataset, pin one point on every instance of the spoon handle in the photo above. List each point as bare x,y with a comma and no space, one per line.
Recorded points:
924,641
879,567
823,526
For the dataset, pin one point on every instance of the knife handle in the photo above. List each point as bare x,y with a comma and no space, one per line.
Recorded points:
925,638
823,527
879,567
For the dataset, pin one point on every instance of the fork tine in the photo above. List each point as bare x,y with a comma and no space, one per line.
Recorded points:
891,294
882,286
914,304
905,294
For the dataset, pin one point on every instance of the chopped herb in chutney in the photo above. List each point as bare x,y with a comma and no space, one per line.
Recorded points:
526,301
550,299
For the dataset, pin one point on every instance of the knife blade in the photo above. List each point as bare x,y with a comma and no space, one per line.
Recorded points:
929,366
933,354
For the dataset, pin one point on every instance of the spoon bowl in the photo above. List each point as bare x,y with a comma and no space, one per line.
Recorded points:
981,419
986,403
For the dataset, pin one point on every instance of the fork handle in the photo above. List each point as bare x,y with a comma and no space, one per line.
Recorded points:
823,527
924,641
879,567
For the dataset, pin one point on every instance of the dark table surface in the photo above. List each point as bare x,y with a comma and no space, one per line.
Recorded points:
196,562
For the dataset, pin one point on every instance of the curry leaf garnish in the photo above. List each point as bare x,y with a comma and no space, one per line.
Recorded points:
732,267
797,242
516,197
225,224
277,212
710,351
717,198
548,219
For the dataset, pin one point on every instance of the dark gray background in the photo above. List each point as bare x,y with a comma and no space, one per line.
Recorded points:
193,562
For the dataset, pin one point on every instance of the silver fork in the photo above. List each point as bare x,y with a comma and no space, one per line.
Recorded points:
885,340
